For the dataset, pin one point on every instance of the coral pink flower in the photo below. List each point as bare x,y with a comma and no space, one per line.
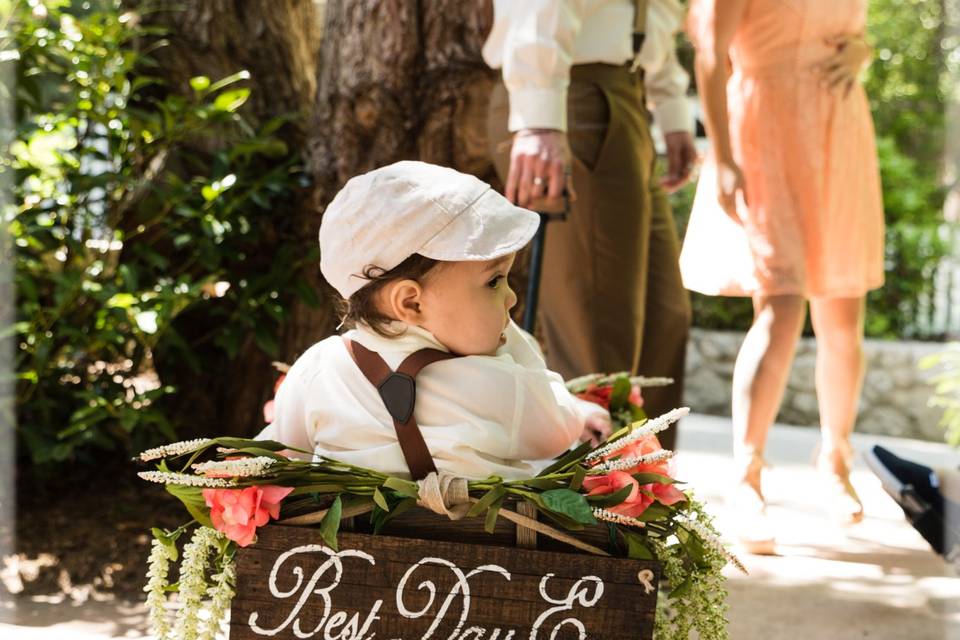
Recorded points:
635,503
635,398
637,448
665,493
238,512
597,395
644,446
601,395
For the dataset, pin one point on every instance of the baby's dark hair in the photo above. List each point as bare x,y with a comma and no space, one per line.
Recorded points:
362,305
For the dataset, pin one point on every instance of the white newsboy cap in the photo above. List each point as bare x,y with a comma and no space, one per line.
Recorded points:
381,218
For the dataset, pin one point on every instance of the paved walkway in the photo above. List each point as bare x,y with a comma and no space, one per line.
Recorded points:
875,580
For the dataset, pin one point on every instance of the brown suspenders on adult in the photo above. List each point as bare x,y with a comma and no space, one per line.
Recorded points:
639,23
397,389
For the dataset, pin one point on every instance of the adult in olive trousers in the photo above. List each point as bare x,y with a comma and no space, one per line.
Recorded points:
611,297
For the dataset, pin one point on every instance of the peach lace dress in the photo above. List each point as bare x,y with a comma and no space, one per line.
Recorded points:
813,225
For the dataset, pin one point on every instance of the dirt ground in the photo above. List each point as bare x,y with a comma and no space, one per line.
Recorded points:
86,533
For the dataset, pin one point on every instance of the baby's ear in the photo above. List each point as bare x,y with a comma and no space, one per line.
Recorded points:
403,298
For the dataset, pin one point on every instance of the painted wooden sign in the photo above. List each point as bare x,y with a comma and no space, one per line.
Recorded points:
291,585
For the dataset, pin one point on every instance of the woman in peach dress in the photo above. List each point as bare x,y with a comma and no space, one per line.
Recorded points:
788,210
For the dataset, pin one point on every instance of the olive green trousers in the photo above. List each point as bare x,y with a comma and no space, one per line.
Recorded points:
611,296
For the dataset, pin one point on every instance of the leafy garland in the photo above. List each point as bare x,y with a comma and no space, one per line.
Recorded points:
623,484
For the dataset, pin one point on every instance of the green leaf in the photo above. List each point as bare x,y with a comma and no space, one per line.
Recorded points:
406,488
231,100
240,443
577,480
261,452
692,545
167,540
610,499
316,488
654,512
542,484
490,522
330,524
566,460
122,301
228,80
682,588
569,503
401,507
620,393
192,499
380,500
636,546
654,478
484,503
199,83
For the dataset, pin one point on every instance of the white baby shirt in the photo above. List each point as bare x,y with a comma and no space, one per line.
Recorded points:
503,415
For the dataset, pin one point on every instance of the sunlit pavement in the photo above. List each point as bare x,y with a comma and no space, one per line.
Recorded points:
876,579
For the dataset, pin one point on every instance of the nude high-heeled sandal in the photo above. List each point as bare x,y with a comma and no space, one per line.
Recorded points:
755,533
840,498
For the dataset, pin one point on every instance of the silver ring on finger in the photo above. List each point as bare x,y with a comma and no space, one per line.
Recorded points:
538,181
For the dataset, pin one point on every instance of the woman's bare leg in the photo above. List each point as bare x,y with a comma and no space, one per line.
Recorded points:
759,378
838,324
761,371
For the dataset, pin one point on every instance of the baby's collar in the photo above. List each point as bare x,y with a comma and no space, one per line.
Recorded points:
409,338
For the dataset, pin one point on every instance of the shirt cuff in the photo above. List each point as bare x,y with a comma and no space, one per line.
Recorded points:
538,108
673,114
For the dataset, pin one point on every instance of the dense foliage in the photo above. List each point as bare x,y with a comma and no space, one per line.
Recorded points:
908,85
122,225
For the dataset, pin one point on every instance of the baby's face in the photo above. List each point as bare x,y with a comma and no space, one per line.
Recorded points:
466,305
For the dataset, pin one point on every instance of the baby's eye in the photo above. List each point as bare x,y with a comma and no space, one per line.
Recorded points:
494,282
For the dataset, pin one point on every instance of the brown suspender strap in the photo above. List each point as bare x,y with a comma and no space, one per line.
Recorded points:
397,389
640,8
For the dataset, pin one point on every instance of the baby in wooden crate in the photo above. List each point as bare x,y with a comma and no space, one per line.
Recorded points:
433,375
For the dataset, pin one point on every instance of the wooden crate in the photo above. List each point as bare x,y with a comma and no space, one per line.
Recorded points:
460,584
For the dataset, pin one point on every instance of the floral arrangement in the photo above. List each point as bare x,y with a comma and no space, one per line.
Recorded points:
233,486
619,393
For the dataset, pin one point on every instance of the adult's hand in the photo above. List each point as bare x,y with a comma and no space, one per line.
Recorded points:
840,70
681,158
730,182
539,159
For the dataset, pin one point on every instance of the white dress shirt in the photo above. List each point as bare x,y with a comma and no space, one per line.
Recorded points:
503,415
536,41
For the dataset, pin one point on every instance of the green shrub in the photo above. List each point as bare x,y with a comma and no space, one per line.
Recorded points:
946,383
120,227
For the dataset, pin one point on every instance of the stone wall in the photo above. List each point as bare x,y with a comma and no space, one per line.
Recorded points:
895,393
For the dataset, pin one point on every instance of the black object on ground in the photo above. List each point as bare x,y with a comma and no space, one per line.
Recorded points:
916,488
